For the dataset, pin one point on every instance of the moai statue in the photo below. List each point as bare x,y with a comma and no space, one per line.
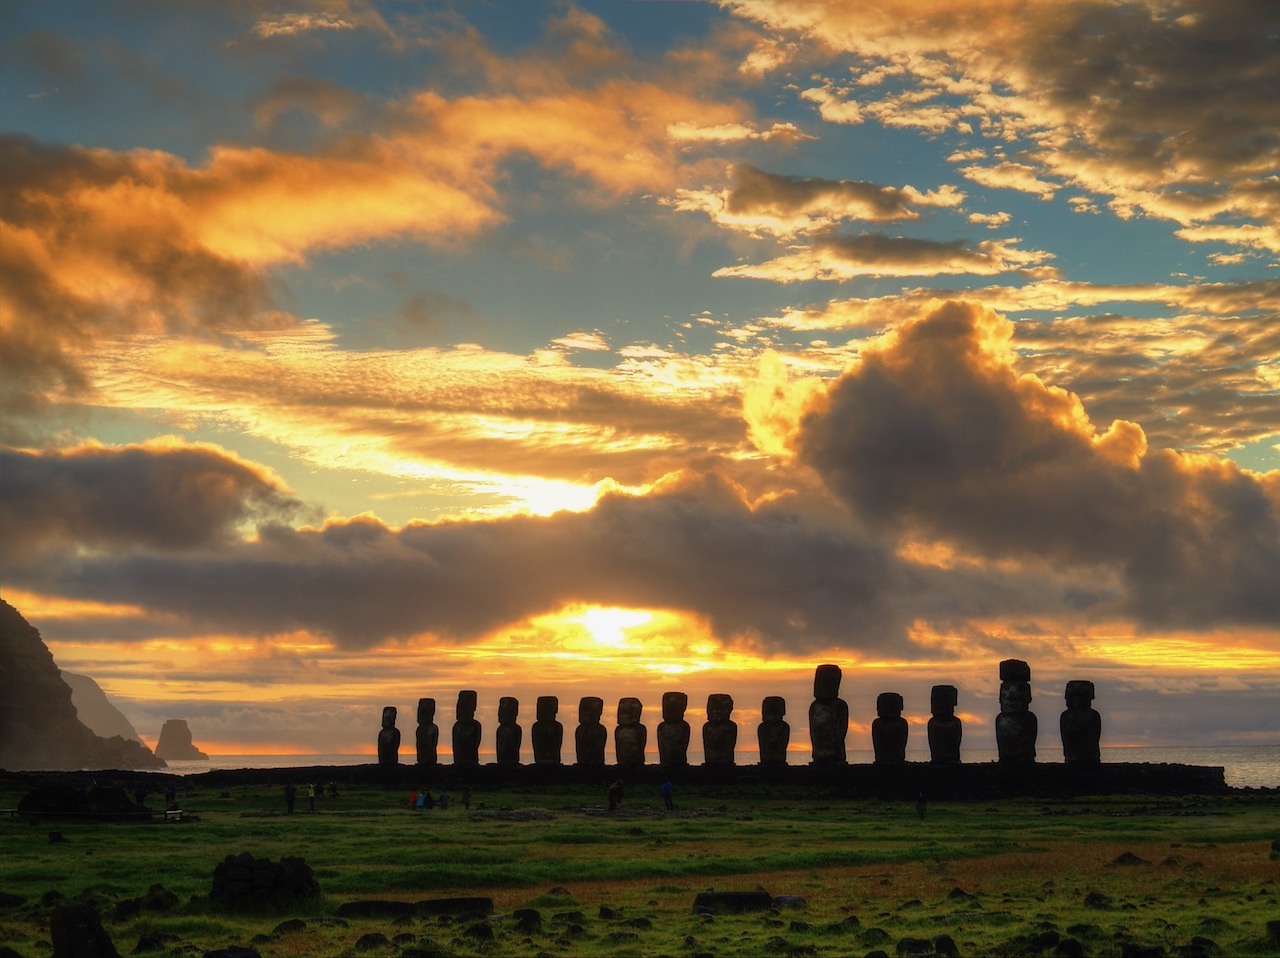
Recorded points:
466,731
590,736
720,733
945,730
828,717
889,730
630,737
509,734
389,738
547,733
773,733
1016,725
1081,725
428,734
673,730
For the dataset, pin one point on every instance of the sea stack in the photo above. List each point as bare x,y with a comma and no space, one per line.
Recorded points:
175,743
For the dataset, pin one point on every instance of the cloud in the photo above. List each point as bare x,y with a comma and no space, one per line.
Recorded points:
935,435
101,244
837,257
773,203
764,573
1139,102
162,494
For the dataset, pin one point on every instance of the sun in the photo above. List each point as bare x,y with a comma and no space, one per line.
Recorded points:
608,627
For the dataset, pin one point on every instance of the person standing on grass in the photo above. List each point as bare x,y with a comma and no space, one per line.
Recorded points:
444,799
413,800
466,799
668,798
290,795
311,795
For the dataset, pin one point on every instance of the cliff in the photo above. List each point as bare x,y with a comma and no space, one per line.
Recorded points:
39,725
96,710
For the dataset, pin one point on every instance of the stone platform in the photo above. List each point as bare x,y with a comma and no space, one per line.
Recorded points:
979,781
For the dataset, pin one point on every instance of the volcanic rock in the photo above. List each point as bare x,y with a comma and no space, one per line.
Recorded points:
175,743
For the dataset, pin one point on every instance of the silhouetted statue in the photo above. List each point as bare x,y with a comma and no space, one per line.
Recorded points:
547,733
945,729
590,736
828,717
889,730
389,738
1081,725
673,730
630,737
509,735
773,733
428,737
720,733
466,731
1016,725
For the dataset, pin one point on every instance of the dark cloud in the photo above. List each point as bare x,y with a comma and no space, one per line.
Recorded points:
758,192
116,499
766,574
937,435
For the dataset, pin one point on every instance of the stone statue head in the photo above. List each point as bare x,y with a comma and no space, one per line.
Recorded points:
508,709
466,705
1015,670
590,708
889,705
943,700
826,681
548,706
773,708
673,706
1079,694
389,717
1015,696
629,710
426,711
719,707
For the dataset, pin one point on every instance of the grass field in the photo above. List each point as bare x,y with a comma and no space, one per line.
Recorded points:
1101,876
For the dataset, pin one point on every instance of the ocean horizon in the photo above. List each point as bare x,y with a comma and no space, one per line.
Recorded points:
1245,766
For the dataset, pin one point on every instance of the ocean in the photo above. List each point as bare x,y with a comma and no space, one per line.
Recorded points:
1245,766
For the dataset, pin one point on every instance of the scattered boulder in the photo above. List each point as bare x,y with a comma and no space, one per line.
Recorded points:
1069,948
1129,858
723,902
374,941
377,909
482,931
291,926
527,920
789,901
77,932
945,946
1095,899
155,941
233,951
244,883
8,900
913,947
455,906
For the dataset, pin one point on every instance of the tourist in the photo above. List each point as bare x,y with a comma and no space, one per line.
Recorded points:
290,795
668,799
311,796
466,799
444,799
413,801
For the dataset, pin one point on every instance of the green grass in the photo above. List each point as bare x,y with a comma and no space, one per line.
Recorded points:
1025,868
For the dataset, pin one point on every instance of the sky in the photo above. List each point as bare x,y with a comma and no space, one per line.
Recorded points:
357,351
